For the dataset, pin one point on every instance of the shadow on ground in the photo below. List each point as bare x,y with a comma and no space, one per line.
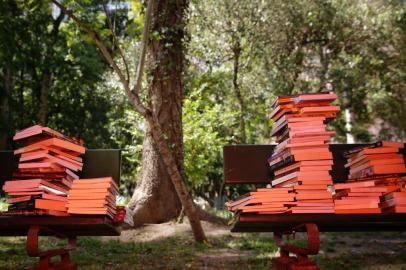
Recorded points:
170,246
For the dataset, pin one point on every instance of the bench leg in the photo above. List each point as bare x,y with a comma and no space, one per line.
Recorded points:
45,257
301,260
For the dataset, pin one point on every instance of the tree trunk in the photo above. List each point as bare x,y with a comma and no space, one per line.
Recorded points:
42,114
47,74
5,107
237,90
165,98
161,185
154,199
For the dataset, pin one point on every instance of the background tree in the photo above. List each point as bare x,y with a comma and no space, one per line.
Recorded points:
167,20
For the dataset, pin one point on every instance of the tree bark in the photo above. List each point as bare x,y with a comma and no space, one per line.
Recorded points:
237,90
167,85
5,107
47,74
161,185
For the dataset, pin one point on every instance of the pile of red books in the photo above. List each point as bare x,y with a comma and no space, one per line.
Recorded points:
96,196
375,180
263,201
394,202
380,158
49,161
301,161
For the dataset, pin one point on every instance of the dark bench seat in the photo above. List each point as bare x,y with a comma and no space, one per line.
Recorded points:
71,226
324,222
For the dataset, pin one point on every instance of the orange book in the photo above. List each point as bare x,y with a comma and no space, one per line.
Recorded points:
63,145
355,159
358,211
311,211
50,205
301,176
365,163
310,187
379,150
324,96
393,202
49,158
97,180
325,138
88,191
354,185
320,109
357,205
396,209
312,155
383,189
392,144
87,203
295,182
279,190
327,115
35,165
393,195
365,194
354,200
313,196
273,199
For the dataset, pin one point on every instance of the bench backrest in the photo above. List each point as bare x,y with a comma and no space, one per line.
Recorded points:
247,164
97,163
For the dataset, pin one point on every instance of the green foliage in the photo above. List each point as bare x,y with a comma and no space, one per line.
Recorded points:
202,141
356,48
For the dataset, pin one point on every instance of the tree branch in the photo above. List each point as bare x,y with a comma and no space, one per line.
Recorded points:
115,42
134,98
144,43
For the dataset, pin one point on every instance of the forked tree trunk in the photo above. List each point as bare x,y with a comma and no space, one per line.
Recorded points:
164,113
160,186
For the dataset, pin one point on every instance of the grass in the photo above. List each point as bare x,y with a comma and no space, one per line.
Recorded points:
246,251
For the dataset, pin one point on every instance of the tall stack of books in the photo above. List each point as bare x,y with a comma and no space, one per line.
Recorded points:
374,179
49,161
96,196
302,159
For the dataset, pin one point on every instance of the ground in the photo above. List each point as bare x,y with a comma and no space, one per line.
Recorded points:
170,246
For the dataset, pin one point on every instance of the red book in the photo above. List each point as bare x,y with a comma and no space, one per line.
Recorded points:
326,97
71,148
320,109
50,205
358,211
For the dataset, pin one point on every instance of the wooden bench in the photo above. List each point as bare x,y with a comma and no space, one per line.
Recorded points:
247,164
97,163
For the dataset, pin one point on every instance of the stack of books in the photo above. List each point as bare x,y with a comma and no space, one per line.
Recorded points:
380,158
374,180
48,163
394,202
96,196
301,162
302,159
264,201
